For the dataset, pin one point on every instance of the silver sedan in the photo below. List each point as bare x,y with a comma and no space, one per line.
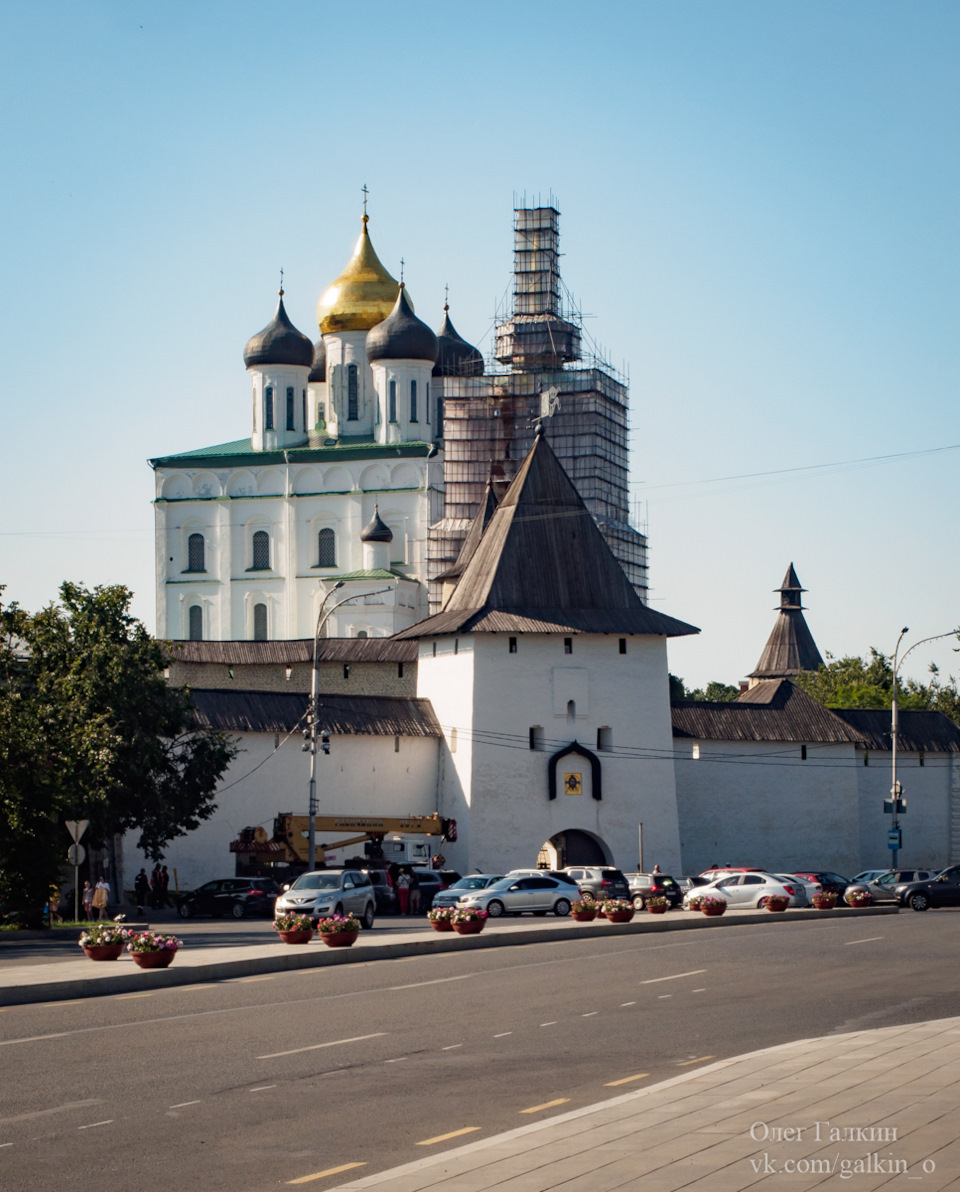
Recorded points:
518,895
472,882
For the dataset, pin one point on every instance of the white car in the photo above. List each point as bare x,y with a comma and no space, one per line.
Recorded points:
325,892
749,890
807,887
473,881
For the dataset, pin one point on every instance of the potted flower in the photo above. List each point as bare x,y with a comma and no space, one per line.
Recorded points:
858,898
712,906
149,949
339,931
695,903
103,941
825,901
468,920
293,928
440,917
618,910
583,910
776,902
657,904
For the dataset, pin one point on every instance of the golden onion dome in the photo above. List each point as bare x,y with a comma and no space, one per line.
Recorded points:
362,296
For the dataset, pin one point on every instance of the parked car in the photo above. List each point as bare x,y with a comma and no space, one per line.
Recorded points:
806,887
832,883
645,885
599,881
868,875
473,881
518,895
383,891
943,890
728,871
691,883
235,896
323,892
749,889
432,881
887,888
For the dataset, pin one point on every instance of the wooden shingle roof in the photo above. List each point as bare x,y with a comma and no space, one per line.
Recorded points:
770,711
917,731
543,566
332,649
282,712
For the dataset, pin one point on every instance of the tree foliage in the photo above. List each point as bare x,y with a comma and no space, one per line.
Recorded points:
90,730
715,691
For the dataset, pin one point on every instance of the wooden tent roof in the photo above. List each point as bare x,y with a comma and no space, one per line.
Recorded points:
790,648
332,649
282,712
774,710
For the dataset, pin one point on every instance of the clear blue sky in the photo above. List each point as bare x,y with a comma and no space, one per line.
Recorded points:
759,208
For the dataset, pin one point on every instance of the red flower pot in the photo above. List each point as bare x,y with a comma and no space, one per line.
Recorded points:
102,951
470,927
583,916
339,939
441,925
824,904
713,911
657,910
619,916
303,936
152,960
776,907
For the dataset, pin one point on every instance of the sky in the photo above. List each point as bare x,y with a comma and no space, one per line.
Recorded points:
758,216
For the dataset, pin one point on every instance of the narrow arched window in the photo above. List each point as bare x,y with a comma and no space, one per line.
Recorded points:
361,633
261,551
413,401
268,408
259,622
439,426
196,623
290,397
426,403
327,553
392,403
195,553
303,408
353,393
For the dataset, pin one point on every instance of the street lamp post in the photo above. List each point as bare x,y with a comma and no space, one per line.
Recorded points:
322,618
894,728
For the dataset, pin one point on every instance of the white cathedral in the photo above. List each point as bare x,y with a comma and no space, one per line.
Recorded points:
455,530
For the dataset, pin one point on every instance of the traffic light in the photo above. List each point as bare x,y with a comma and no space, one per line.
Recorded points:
325,741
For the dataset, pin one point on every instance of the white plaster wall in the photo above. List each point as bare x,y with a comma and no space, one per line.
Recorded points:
361,775
280,378
345,348
758,803
926,825
402,429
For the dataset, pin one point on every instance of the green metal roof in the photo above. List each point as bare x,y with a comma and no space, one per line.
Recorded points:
240,451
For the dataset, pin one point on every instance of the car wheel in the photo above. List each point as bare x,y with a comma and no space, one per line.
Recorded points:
762,904
495,908
368,915
638,902
184,910
920,902
561,908
237,910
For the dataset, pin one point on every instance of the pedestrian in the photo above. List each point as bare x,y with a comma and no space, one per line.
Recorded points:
656,869
53,906
141,888
164,887
101,897
403,890
414,893
155,886
87,901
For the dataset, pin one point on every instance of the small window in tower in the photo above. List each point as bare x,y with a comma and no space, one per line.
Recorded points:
399,670
396,744
361,633
920,757
346,670
453,740
803,753
695,751
392,403
512,647
413,401
261,551
623,645
291,425
268,408
866,757
196,623
195,553
327,548
303,408
536,736
353,393
568,645
571,709
259,622
605,738
426,403
321,416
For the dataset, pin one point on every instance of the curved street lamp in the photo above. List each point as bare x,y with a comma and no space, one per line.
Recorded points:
322,618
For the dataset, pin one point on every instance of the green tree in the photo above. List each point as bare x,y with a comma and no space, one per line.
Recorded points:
715,691
89,729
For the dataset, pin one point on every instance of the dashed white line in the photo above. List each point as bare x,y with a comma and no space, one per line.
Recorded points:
3,1144
503,1034
91,1125
452,1047
674,977
872,939
554,1023
262,1088
590,1014
399,1060
183,1104
664,995
628,1004
699,990
273,1055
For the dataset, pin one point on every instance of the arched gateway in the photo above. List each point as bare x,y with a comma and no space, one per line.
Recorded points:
573,847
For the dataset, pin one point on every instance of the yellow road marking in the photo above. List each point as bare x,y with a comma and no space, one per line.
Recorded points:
698,1060
445,1137
546,1105
319,1175
625,1080
48,1005
125,997
247,980
404,959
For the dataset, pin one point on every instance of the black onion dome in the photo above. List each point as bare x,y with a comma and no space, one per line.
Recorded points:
319,370
278,343
455,358
376,530
401,335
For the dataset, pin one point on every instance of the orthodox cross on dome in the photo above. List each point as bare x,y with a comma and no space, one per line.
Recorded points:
446,297
402,263
281,281
366,217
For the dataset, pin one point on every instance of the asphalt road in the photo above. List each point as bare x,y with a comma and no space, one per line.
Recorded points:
250,1084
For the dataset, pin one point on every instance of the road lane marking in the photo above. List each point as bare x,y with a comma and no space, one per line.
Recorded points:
319,1175
612,1084
39,1113
446,1137
546,1105
554,1023
398,1060
274,1055
125,997
3,1144
590,1014
503,1034
698,1060
247,980
93,1125
704,990
183,1104
675,977
452,1047
628,1003
262,1088
871,940
664,995
51,1005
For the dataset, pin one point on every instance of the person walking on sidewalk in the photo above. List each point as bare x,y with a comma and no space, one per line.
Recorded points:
414,893
403,890
101,896
155,887
164,887
87,897
141,888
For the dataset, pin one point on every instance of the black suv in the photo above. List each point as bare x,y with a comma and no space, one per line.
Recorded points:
943,890
646,885
235,896
383,891
599,881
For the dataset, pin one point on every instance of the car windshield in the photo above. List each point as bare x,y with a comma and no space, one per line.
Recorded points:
471,883
317,881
